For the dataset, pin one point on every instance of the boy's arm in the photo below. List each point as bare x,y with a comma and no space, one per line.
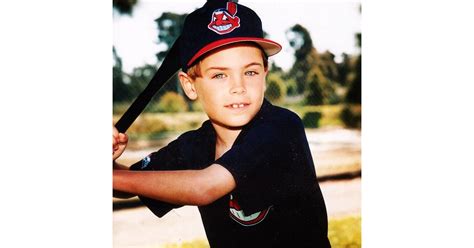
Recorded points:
119,143
118,194
182,187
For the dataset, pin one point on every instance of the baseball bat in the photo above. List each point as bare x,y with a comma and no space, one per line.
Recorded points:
167,69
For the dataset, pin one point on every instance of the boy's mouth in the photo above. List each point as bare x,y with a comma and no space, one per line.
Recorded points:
237,105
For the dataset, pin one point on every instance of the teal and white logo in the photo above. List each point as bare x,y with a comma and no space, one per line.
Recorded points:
146,161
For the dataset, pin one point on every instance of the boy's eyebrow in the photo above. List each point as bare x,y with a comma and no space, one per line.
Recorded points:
226,68
217,68
254,63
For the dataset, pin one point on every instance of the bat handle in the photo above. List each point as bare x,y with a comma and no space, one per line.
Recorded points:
130,115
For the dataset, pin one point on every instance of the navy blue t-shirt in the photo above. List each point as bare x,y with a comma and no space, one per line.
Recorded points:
277,201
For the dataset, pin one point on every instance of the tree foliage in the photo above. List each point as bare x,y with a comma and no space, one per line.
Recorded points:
355,77
305,56
276,90
128,86
120,92
169,28
315,95
311,119
315,74
350,118
171,102
124,7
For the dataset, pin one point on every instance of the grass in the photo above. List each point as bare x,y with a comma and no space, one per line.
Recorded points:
330,113
197,243
345,232
342,233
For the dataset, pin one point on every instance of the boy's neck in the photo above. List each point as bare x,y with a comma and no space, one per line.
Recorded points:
225,138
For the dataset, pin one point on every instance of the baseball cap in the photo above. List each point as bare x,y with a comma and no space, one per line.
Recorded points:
218,23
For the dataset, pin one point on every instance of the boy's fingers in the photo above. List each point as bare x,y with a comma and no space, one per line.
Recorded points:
123,138
119,142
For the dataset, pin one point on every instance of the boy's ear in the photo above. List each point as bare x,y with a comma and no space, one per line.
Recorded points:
188,85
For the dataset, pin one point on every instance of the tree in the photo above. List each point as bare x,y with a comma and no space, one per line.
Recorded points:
354,93
140,77
169,29
305,55
315,95
276,90
328,66
314,74
120,89
124,7
343,68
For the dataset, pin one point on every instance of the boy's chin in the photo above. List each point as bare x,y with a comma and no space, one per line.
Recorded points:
233,123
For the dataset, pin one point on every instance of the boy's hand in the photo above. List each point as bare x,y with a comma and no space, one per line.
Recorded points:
119,142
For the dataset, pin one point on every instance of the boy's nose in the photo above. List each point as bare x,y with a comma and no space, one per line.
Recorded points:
237,86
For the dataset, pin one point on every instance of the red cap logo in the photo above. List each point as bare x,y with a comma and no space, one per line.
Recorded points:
224,21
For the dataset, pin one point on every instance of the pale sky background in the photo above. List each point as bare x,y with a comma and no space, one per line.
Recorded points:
332,25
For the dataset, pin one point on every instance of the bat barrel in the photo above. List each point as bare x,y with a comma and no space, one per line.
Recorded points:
167,69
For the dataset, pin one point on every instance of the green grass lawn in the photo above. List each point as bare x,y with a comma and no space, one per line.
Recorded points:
345,232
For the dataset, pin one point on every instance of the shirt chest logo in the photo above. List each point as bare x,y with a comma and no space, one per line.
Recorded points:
237,214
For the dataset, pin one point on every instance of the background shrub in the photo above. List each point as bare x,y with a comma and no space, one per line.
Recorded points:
196,107
311,119
146,126
171,102
276,89
351,118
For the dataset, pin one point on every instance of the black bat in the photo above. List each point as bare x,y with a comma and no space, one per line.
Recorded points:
167,69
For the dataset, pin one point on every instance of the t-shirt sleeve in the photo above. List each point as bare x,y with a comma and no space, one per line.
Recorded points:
167,158
266,162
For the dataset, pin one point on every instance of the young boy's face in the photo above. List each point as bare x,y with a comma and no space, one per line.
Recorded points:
232,84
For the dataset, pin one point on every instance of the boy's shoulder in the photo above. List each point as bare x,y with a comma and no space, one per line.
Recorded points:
200,135
279,116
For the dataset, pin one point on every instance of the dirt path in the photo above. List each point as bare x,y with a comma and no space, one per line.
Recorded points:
139,228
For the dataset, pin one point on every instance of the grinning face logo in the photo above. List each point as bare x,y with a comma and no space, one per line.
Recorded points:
237,214
224,21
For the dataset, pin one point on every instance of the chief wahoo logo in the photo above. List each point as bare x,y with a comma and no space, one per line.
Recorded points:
224,21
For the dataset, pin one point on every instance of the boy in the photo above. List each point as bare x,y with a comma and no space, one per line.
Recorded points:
249,167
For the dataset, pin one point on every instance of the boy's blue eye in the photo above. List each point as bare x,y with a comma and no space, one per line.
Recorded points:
218,76
251,73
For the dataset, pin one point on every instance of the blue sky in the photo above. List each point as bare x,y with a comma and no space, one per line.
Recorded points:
332,25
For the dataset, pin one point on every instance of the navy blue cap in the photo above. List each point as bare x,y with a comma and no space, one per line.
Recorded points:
218,23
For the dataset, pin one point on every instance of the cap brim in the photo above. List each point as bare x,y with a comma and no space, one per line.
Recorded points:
269,47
